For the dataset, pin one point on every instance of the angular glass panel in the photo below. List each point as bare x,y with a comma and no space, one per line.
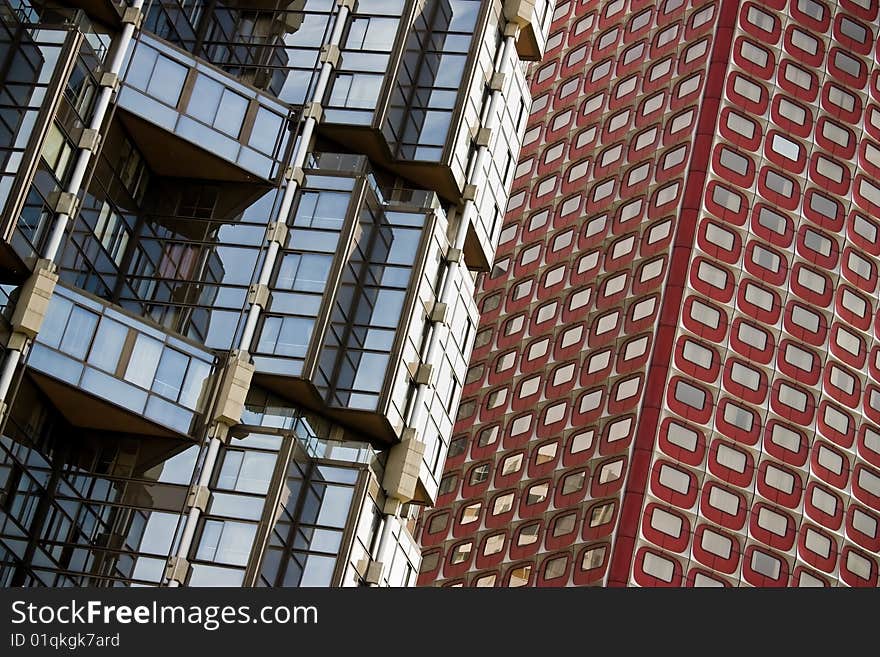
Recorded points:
202,575
143,361
255,473
230,469
169,374
166,82
79,332
265,131
230,113
370,371
306,273
108,345
205,99
53,326
141,67
335,504
226,542
195,384
318,571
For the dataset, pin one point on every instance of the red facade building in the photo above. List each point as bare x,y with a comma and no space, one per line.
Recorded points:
676,380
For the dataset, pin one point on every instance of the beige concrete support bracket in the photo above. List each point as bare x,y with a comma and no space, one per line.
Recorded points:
89,139
177,569
296,174
134,16
109,79
519,11
420,373
64,203
512,30
198,498
401,479
330,53
373,574
220,431
438,312
313,110
234,385
33,302
258,295
277,232
392,505
17,341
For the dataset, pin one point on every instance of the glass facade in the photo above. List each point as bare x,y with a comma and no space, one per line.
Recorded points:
238,263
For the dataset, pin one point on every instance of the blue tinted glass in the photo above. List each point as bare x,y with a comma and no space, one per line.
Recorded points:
236,506
79,332
146,569
210,540
176,470
293,339
364,91
202,575
380,34
55,321
167,81
340,90
385,311
235,543
238,264
379,339
169,375
159,533
143,361
464,15
304,272
314,240
269,335
296,87
450,70
434,128
404,246
318,571
330,210
357,29
265,131
256,472
196,383
205,99
230,113
114,390
141,67
260,210
221,329
326,540
229,470
335,503
370,372
108,345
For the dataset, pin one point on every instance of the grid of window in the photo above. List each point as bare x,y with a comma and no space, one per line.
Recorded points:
779,311
801,267
563,367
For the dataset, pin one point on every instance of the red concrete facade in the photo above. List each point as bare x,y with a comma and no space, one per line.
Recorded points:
676,380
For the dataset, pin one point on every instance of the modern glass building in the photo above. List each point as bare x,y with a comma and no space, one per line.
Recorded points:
676,376
238,248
